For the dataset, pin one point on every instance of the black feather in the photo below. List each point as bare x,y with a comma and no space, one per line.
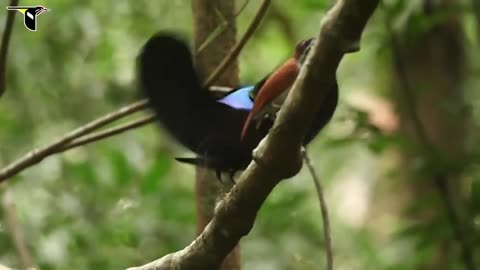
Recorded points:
188,111
193,161
192,115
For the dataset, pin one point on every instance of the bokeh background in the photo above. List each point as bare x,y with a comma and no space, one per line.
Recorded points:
124,201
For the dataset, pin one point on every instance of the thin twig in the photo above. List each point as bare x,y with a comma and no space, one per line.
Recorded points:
107,133
219,29
235,51
242,8
214,34
73,139
327,234
440,181
39,154
7,33
15,230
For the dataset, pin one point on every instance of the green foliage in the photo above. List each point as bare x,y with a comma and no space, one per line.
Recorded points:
475,196
124,201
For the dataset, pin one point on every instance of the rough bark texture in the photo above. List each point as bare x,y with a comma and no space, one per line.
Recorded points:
214,20
278,155
215,32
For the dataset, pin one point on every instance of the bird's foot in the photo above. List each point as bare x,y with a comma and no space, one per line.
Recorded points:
267,117
231,173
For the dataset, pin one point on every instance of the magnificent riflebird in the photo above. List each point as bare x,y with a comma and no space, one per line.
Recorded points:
210,126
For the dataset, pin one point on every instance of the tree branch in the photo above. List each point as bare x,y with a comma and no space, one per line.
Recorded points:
327,234
278,156
37,155
15,230
80,138
107,133
7,33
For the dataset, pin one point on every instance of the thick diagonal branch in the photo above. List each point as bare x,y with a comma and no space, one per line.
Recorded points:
278,156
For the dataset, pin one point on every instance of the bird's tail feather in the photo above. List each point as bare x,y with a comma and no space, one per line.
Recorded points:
168,79
193,161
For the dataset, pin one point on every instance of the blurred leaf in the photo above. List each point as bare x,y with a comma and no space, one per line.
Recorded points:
341,142
278,213
475,196
151,181
426,234
316,4
121,170
393,8
380,142
419,24
83,171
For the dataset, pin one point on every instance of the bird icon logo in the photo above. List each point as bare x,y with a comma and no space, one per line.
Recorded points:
30,14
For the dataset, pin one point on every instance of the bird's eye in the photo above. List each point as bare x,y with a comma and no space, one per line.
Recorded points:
304,45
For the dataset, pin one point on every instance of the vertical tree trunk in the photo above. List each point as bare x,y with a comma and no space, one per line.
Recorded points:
434,62
434,65
215,33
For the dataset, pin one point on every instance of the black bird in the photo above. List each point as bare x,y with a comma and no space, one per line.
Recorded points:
208,126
